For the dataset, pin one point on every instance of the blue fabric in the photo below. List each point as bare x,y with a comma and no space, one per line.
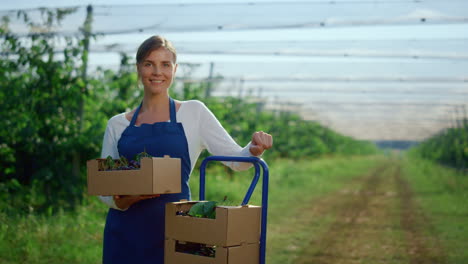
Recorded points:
137,234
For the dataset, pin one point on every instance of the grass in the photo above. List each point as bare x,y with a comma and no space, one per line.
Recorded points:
76,237
443,194
299,184
65,237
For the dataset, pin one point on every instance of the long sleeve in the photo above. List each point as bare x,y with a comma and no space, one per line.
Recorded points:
218,142
109,142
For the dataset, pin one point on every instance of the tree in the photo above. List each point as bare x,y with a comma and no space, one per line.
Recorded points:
39,91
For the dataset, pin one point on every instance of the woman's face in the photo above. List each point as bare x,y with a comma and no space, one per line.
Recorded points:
157,71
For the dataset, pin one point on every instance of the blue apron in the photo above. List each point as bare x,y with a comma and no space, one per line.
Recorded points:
137,234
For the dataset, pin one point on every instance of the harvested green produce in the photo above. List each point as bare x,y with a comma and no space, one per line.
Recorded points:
110,164
141,155
203,210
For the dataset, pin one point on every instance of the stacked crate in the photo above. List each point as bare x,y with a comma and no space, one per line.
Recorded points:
234,234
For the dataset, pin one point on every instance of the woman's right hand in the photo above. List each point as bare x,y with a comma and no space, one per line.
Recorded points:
125,201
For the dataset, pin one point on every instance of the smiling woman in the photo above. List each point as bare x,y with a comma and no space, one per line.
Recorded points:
134,231
156,65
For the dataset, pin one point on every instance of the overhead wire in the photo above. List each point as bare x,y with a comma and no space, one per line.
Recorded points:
245,3
217,26
364,79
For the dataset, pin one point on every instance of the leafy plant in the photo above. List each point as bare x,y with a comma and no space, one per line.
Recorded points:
141,155
449,147
204,210
109,163
122,163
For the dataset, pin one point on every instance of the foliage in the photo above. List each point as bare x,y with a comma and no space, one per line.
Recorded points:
204,210
40,95
122,163
450,147
52,111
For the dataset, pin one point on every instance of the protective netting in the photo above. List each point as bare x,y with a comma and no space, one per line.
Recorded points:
390,63
163,18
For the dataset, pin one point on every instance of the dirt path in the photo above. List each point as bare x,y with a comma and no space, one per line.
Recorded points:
377,220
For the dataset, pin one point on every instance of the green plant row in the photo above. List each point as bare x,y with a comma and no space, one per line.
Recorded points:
450,147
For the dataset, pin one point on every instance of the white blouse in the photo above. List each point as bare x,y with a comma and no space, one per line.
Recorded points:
202,129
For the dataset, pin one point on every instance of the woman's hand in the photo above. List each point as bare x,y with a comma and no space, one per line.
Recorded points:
260,142
125,201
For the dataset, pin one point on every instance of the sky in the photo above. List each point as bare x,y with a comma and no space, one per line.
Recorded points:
376,70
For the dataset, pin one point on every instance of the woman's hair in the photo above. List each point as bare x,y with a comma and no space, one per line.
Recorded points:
154,43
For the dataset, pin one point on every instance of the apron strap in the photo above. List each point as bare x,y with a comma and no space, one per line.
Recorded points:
172,110
135,115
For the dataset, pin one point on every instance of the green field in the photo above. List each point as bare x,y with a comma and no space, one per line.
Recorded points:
307,199
443,195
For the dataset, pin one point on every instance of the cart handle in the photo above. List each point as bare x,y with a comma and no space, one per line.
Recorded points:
257,162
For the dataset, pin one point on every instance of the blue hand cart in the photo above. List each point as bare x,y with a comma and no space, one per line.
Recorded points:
257,163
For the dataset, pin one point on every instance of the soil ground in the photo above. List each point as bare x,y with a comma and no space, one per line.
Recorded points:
376,220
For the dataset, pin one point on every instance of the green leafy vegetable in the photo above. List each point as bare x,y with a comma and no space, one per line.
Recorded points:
123,161
109,164
203,210
141,155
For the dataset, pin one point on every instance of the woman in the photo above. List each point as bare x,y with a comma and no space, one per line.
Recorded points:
134,231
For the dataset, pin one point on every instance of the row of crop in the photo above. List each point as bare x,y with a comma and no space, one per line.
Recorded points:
450,147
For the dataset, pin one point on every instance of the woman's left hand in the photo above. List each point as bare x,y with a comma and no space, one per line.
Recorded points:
260,142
